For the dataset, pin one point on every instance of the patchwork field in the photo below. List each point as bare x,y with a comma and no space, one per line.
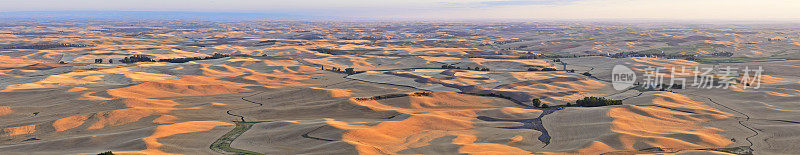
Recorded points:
285,88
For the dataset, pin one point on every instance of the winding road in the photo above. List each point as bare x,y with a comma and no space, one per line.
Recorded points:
534,124
223,144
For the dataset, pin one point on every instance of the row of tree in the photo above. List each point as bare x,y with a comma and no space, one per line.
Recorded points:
144,58
468,68
381,97
183,60
585,102
543,69
596,102
136,58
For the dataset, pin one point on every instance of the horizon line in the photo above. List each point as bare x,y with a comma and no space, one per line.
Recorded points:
305,17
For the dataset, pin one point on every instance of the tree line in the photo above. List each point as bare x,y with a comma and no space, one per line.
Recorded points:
585,102
468,68
145,58
382,97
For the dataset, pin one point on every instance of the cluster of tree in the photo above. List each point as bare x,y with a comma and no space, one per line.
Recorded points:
421,94
596,102
586,74
549,69
538,103
136,58
335,69
98,61
350,71
381,97
144,58
183,60
468,68
450,67
478,69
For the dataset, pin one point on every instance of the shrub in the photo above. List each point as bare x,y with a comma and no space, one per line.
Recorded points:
533,69
350,71
549,69
536,102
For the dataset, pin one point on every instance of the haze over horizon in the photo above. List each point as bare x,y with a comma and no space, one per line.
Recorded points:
443,9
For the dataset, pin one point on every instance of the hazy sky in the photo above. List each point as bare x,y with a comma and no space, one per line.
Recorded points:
447,9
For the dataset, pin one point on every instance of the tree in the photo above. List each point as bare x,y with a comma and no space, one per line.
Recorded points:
533,69
536,102
111,61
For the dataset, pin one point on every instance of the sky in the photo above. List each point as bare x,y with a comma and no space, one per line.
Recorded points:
445,9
